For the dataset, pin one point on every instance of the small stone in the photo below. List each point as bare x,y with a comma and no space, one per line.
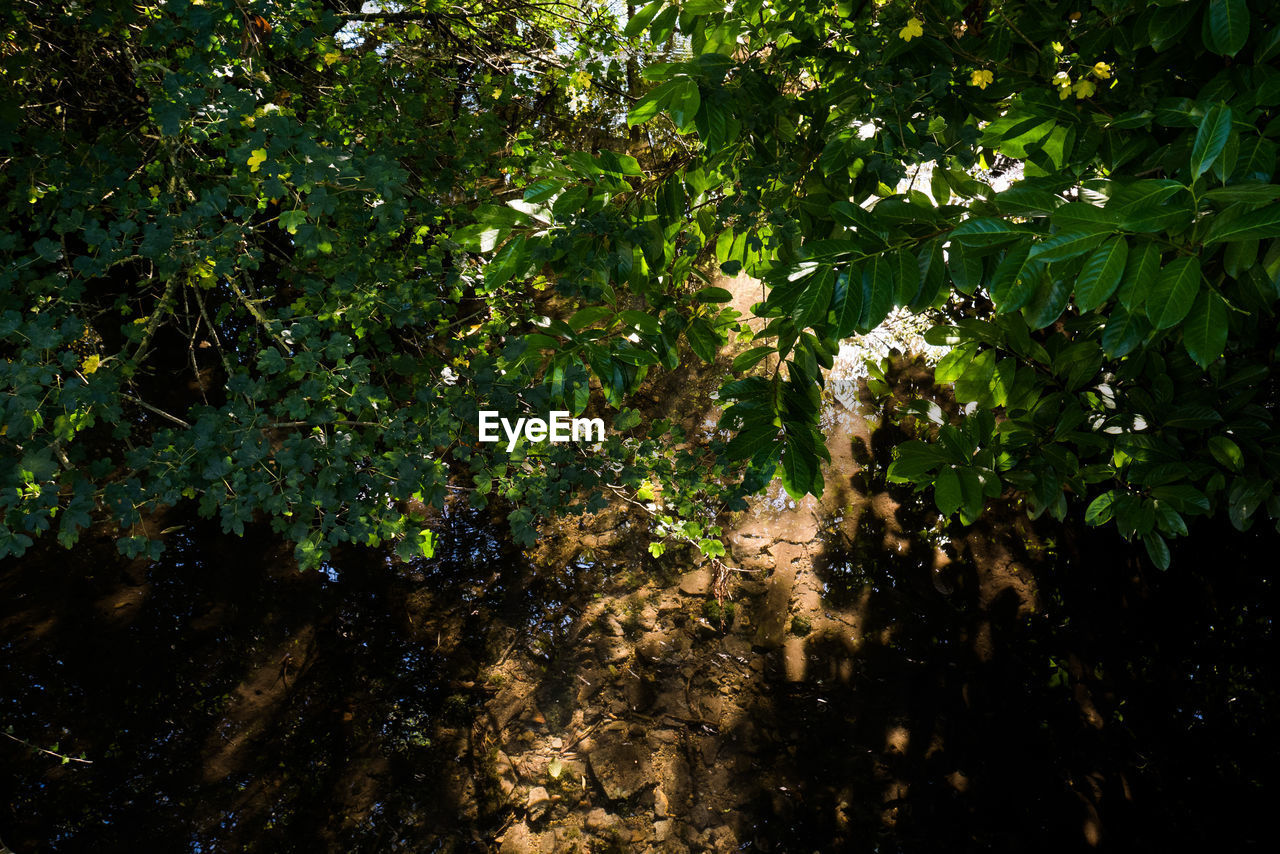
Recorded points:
696,583
662,830
615,650
539,802
599,820
557,743
519,840
653,647
660,804
622,768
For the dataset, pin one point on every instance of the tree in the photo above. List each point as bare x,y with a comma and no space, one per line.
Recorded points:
277,261
1111,311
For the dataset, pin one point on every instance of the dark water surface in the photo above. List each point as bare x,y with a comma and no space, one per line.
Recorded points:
229,703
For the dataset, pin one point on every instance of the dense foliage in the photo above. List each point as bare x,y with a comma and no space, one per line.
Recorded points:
275,259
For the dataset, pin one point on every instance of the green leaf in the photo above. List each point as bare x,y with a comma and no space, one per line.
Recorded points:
646,323
987,231
290,220
1124,331
878,290
965,268
1101,509
1174,293
1101,274
1226,26
717,295
651,104
1140,271
703,339
747,360
815,300
1157,550
799,468
1134,204
505,263
683,103
1215,128
642,19
947,494
907,278
1226,452
540,191
1204,332
1259,224
1060,247
1048,301
657,549
588,316
751,441
1248,193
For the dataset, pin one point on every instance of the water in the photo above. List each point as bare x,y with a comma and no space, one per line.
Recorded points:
227,702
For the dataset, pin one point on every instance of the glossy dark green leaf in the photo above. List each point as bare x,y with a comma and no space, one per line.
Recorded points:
947,494
1204,332
1226,26
1253,225
1101,274
746,361
1124,331
1210,139
1101,509
1140,271
815,300
987,231
1061,247
1226,452
1174,293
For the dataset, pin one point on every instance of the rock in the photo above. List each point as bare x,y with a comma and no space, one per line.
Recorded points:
519,840
662,830
653,647
660,803
505,771
599,820
538,803
614,651
696,583
613,626
700,816
772,626
621,767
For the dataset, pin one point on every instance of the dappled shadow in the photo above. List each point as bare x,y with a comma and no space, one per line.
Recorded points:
1049,696
229,702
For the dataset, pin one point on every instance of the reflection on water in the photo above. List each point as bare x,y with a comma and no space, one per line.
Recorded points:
228,702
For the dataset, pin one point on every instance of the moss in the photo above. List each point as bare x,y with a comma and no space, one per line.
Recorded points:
801,625
719,614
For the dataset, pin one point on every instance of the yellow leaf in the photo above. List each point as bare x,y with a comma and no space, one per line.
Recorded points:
1102,70
256,158
1084,88
331,57
90,364
913,28
982,78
